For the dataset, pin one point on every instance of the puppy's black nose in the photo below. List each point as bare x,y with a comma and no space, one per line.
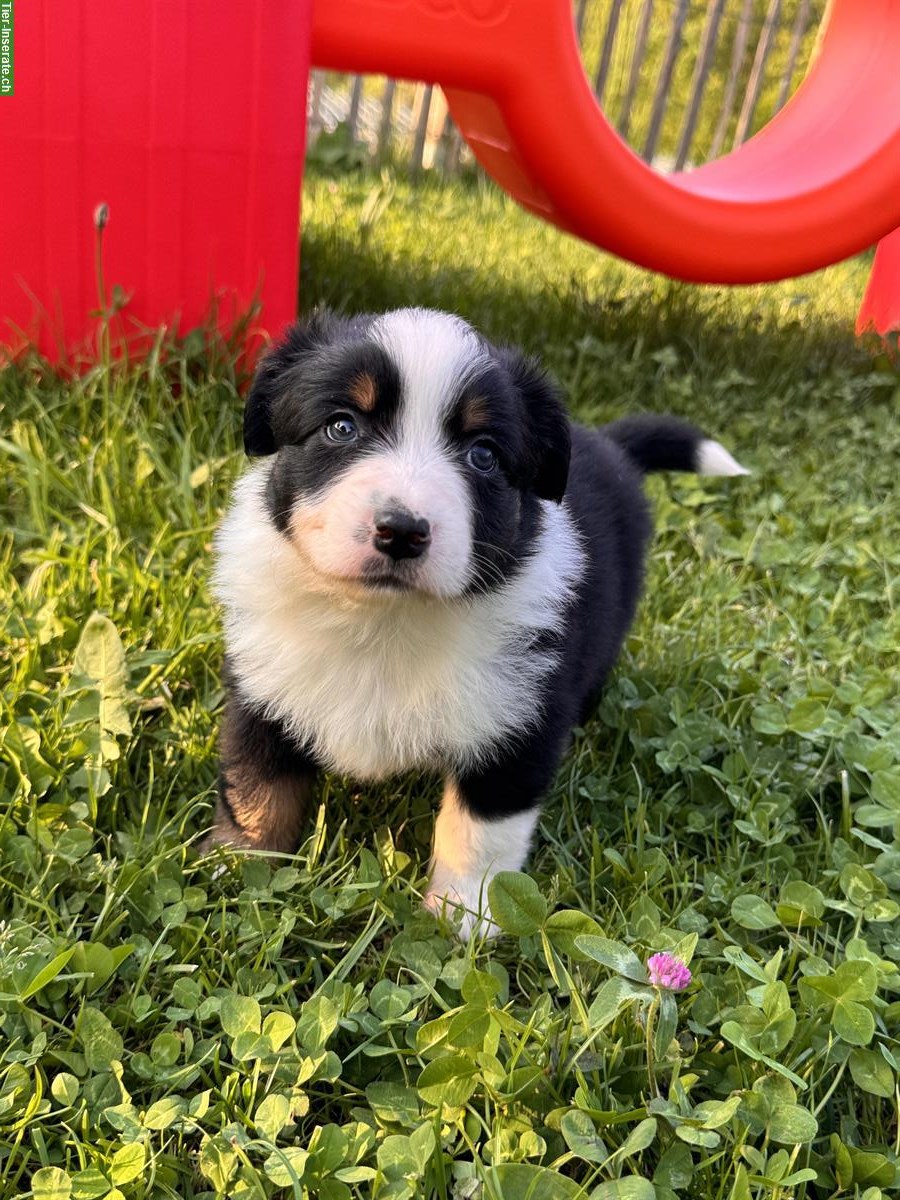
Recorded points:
399,534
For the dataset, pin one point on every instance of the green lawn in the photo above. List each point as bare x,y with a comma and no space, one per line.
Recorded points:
303,1029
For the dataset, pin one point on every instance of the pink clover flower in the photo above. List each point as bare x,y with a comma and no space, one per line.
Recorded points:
669,972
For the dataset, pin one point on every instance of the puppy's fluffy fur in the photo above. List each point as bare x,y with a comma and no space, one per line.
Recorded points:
430,568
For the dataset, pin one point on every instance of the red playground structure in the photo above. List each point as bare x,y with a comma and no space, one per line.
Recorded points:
187,118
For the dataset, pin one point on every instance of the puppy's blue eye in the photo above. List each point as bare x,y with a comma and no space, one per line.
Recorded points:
342,430
483,457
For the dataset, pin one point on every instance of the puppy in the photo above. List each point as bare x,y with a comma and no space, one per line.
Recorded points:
431,568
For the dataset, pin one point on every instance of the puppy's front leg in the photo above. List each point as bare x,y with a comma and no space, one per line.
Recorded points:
472,843
265,781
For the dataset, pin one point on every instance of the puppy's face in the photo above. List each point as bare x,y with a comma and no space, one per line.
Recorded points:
410,454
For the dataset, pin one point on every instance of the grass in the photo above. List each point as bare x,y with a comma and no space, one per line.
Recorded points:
302,1028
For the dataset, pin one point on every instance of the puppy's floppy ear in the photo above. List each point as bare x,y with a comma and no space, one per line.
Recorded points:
259,433
547,440
258,436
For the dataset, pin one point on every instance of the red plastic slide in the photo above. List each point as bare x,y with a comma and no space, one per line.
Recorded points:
186,117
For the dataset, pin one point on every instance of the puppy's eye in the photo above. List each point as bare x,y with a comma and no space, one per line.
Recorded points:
483,457
342,430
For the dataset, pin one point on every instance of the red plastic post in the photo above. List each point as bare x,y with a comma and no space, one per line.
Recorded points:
185,117
880,308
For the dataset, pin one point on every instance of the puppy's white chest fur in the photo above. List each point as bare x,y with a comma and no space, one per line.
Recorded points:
387,683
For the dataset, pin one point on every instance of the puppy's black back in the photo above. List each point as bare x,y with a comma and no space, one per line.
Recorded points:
605,496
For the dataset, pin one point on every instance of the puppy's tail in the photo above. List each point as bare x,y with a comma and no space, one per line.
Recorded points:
667,444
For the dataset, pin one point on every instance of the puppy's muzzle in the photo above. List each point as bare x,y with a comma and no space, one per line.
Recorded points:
399,534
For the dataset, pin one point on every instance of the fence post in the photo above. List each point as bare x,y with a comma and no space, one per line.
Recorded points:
384,127
603,67
661,99
454,148
738,50
758,73
801,21
418,150
355,100
637,59
609,41
314,120
449,146
704,62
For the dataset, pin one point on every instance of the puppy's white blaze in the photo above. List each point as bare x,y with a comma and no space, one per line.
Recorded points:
436,354
468,853
387,683
714,459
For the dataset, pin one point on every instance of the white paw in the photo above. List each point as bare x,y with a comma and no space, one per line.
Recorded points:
468,852
464,903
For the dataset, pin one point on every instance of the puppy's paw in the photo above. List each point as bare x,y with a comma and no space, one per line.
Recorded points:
224,833
464,903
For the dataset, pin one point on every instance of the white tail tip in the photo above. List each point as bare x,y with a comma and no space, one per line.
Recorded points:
714,459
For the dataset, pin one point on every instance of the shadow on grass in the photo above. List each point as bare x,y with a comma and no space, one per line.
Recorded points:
774,332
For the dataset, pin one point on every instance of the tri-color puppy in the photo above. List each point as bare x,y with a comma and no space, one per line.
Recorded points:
431,568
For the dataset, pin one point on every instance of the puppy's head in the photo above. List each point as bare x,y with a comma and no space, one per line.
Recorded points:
410,455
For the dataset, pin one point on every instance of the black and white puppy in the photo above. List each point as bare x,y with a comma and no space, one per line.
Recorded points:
431,568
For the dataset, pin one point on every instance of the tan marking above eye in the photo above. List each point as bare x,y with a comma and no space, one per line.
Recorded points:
363,393
475,413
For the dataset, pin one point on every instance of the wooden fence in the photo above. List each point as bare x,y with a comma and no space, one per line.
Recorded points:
683,81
